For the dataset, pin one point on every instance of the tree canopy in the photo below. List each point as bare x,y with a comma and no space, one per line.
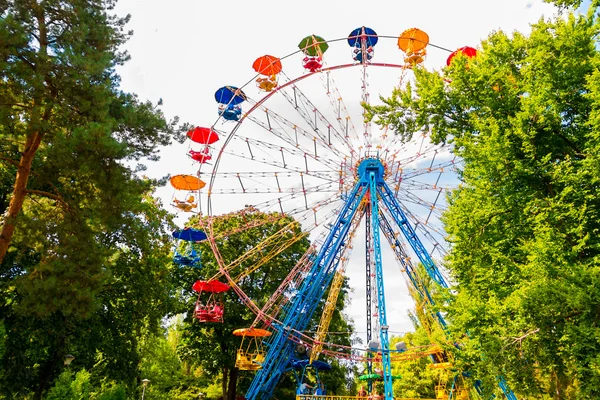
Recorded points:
80,234
524,117
212,346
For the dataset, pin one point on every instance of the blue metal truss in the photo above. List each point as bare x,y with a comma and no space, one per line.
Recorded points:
296,315
392,204
375,177
368,289
415,281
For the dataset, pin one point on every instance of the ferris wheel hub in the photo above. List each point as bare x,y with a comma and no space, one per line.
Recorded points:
371,164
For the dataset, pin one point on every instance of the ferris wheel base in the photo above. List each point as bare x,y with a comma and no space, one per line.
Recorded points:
334,397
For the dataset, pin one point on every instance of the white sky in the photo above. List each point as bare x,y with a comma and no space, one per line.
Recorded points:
184,50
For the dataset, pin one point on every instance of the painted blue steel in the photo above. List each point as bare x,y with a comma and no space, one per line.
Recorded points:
409,233
296,315
505,389
305,314
368,280
388,391
401,255
388,231
300,310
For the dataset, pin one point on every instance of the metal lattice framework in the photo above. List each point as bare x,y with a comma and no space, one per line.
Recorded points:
302,150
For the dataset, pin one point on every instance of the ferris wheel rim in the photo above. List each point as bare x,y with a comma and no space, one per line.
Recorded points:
266,97
221,154
232,133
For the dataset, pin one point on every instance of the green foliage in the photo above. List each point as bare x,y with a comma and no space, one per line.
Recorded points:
161,365
70,386
523,116
106,340
84,235
67,388
417,381
563,4
112,392
212,345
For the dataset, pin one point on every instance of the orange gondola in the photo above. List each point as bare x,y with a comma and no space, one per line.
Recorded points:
413,42
188,184
269,67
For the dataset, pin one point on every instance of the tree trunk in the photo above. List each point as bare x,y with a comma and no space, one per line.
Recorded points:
224,383
561,384
232,387
34,138
48,371
19,192
37,395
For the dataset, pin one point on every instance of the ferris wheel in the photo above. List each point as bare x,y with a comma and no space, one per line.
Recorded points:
294,144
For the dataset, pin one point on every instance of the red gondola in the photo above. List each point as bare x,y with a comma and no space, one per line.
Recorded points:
467,51
209,305
203,135
201,156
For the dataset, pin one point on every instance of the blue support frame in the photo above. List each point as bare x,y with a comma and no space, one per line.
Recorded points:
409,233
368,289
297,313
401,255
386,361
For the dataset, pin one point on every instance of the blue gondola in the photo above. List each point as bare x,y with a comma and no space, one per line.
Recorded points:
362,40
229,99
185,254
301,365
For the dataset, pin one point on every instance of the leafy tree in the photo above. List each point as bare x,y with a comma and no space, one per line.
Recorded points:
78,386
60,97
417,380
212,345
105,341
67,132
80,235
523,115
572,3
67,388
168,376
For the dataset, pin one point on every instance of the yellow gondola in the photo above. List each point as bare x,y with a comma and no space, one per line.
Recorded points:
251,354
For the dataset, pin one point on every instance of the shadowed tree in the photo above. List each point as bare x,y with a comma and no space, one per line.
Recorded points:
79,234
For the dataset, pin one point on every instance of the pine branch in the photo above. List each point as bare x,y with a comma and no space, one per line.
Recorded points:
24,106
49,195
